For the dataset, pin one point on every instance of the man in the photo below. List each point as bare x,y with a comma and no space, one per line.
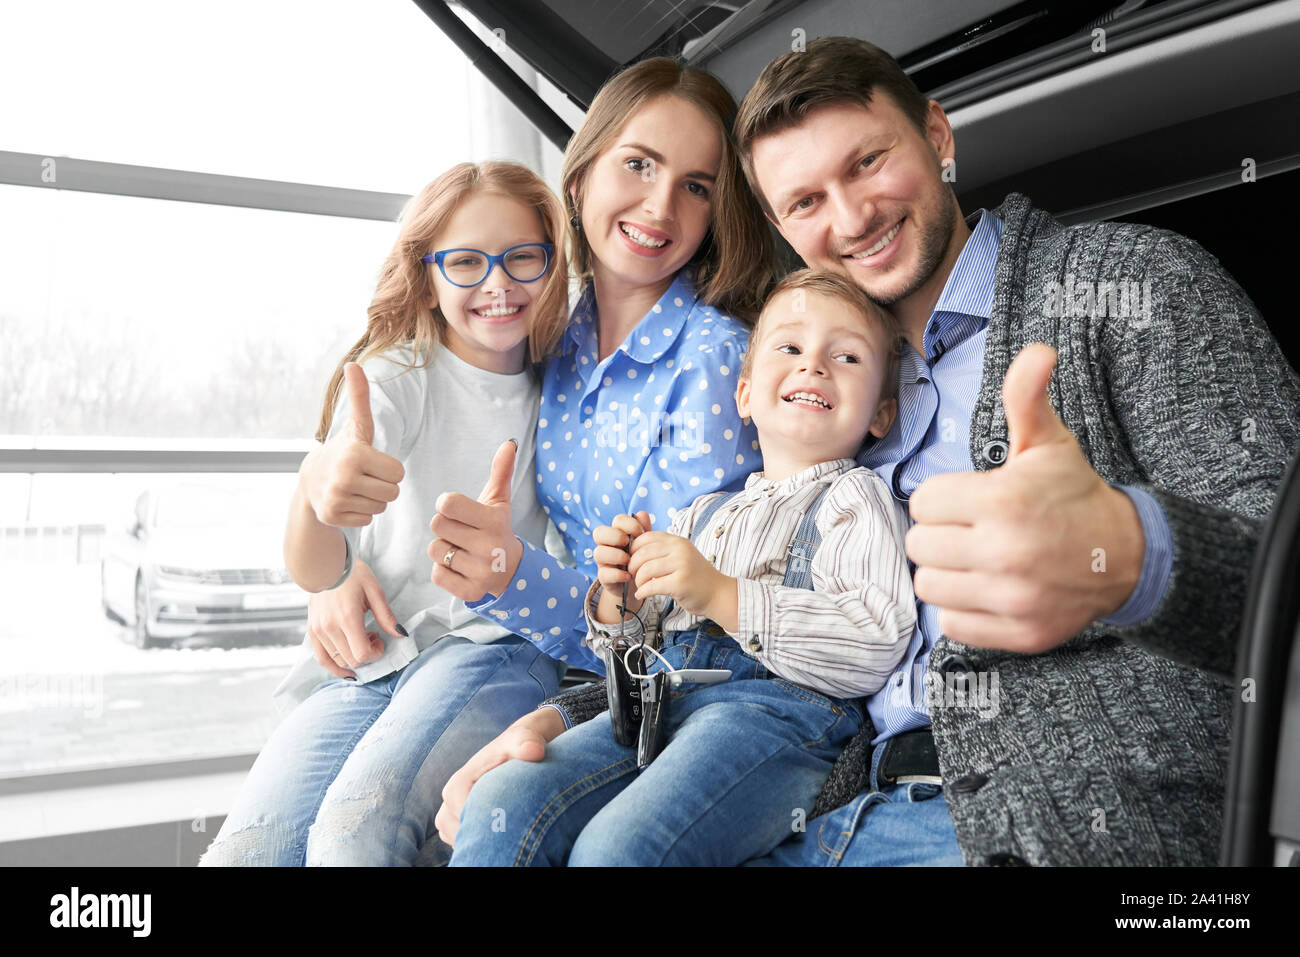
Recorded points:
1065,699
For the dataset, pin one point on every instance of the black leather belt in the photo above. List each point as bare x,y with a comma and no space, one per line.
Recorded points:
909,755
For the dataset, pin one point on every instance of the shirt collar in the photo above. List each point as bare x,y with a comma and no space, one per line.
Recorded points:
656,331
968,293
790,483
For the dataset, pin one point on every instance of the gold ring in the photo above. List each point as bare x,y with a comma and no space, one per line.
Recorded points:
446,559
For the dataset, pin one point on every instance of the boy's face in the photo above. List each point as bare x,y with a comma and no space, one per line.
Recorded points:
817,377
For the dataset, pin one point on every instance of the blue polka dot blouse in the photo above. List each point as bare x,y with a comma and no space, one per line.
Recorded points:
654,426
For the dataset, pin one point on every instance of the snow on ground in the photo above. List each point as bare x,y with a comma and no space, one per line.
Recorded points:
52,623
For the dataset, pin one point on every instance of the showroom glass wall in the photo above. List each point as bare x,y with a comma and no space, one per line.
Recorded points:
164,361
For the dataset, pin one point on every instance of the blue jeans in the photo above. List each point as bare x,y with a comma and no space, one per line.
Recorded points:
899,824
354,774
744,760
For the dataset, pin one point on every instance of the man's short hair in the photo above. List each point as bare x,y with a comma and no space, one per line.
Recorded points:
835,286
829,70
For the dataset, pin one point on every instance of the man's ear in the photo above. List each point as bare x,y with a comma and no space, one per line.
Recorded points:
765,207
742,397
938,132
886,411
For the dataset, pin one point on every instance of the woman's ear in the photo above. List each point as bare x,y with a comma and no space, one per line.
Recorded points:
575,194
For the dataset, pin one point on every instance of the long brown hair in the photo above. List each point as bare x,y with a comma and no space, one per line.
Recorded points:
400,313
735,262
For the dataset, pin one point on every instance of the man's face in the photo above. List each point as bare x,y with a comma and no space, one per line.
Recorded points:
858,191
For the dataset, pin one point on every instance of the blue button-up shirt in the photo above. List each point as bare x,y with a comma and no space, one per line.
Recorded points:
653,426
931,435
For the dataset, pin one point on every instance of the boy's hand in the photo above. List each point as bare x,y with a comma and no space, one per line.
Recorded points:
665,564
346,481
611,556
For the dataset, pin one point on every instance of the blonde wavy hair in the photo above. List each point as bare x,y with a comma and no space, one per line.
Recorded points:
400,313
735,262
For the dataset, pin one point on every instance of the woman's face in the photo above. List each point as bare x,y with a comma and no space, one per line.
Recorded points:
647,202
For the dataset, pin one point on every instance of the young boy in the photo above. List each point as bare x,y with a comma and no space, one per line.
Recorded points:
744,758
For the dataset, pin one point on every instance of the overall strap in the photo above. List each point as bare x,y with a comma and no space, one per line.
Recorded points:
798,570
708,511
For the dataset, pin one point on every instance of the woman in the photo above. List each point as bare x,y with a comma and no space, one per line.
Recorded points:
637,414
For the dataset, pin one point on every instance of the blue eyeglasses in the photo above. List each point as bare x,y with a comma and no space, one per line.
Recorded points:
527,262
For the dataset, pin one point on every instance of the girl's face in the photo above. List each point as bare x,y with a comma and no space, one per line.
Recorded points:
647,202
488,324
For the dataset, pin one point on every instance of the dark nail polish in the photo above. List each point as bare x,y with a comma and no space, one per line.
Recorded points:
516,441
349,677
402,631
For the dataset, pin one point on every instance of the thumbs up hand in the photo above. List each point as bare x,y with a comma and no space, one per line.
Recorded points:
475,550
1027,555
347,481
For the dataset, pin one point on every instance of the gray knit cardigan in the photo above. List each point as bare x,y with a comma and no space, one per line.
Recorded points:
1112,748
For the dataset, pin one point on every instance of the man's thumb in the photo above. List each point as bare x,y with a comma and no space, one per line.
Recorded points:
497,488
1030,417
354,380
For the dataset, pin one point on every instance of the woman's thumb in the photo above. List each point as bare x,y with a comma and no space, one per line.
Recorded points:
497,488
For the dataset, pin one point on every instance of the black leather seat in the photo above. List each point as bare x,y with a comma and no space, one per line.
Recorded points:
1262,810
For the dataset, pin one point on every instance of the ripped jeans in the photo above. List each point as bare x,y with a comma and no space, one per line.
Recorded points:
354,774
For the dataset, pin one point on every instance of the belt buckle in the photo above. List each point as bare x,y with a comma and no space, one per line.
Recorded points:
892,748
919,779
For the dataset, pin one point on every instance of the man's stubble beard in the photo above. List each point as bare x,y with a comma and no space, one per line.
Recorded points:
934,241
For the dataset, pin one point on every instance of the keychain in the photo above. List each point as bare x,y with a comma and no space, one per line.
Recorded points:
638,701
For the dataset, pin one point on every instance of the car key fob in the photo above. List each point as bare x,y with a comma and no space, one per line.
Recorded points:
654,699
624,693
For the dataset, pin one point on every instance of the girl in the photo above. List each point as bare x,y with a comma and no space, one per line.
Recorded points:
474,288
674,257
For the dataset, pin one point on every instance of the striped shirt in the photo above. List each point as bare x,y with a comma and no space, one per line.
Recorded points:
845,636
